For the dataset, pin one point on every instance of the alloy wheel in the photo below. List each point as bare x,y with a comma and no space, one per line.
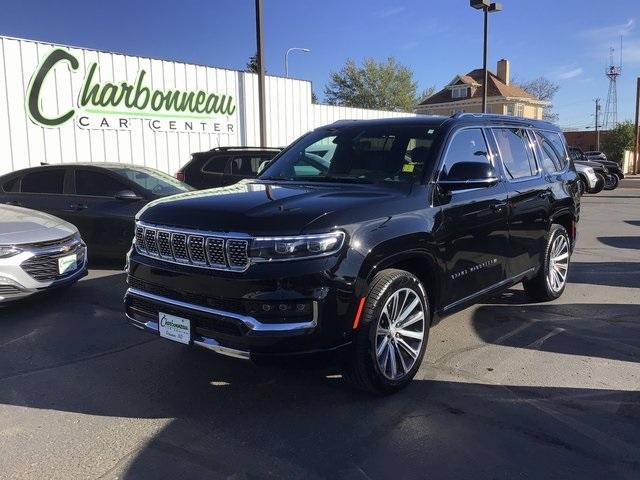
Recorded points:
400,333
558,263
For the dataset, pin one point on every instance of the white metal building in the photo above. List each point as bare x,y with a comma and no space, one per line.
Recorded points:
69,104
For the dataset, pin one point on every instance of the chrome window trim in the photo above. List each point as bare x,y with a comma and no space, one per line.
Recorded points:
251,323
539,168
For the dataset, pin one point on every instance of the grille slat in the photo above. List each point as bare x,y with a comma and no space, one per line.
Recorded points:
192,249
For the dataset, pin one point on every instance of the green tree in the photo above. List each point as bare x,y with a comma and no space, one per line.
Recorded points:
618,140
252,64
386,85
543,89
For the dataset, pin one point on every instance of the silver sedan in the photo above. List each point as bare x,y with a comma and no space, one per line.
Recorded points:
37,252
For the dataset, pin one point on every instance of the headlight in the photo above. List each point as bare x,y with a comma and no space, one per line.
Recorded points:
8,251
265,249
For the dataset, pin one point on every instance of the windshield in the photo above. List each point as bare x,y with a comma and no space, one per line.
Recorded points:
156,182
357,154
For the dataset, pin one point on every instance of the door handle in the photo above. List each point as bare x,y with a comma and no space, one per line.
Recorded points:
78,206
498,207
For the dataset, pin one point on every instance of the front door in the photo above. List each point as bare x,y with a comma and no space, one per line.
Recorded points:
474,235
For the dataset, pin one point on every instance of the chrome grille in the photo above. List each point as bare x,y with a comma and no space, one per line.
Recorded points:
196,249
189,248
237,252
150,243
43,267
179,242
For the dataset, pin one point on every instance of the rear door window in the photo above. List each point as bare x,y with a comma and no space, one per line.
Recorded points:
516,152
44,181
12,185
552,144
95,184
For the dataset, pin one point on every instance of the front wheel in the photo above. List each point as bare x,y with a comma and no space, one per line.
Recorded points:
551,279
391,340
612,182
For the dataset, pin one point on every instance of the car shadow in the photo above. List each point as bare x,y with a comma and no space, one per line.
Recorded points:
635,223
621,242
613,274
231,419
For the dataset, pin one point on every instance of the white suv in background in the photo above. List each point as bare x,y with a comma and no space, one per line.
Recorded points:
37,252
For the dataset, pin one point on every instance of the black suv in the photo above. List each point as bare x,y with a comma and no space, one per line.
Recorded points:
354,250
224,166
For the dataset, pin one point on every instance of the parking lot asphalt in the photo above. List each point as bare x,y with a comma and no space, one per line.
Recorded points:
508,388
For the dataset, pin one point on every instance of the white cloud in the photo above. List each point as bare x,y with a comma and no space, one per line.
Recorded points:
609,32
567,74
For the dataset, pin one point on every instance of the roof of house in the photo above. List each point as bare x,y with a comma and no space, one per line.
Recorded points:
495,88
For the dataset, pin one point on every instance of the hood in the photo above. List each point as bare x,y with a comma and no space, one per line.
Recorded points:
264,208
21,225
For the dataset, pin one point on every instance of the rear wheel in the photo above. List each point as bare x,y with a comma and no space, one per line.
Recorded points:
551,279
392,338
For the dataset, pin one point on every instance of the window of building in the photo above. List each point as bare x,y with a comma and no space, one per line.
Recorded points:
516,152
467,145
459,92
43,181
96,184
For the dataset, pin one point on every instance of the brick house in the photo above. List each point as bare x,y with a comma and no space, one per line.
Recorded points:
464,94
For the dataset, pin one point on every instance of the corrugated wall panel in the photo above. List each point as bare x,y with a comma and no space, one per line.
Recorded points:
23,143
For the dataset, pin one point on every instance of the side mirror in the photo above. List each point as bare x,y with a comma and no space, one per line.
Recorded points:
465,175
127,196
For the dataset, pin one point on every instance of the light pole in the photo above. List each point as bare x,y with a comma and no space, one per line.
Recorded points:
487,7
260,59
286,57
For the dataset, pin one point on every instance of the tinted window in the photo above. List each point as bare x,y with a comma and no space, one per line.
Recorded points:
96,184
548,155
555,141
516,152
247,165
216,165
357,153
44,181
467,145
12,185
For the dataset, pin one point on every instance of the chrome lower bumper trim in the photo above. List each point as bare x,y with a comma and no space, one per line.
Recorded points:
252,324
200,341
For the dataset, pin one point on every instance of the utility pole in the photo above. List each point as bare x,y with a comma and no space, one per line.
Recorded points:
598,124
260,60
636,143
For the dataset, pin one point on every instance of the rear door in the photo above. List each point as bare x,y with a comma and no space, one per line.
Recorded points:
474,232
106,223
210,174
529,192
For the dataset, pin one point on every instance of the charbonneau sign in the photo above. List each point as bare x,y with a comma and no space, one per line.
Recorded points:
111,105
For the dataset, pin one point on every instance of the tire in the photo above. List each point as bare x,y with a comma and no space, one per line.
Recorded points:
548,285
599,185
582,185
396,365
611,183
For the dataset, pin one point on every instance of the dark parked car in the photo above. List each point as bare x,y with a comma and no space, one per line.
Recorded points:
100,199
403,221
613,168
224,166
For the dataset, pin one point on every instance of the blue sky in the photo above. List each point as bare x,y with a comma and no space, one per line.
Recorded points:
567,41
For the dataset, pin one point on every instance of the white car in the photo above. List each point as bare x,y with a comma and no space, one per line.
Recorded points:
37,252
590,181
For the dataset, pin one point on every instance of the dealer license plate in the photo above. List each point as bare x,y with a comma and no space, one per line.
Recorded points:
174,328
67,263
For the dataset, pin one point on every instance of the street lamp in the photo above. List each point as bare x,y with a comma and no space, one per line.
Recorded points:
487,7
286,57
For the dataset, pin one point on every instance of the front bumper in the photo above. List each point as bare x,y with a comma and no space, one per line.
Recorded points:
16,282
215,305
